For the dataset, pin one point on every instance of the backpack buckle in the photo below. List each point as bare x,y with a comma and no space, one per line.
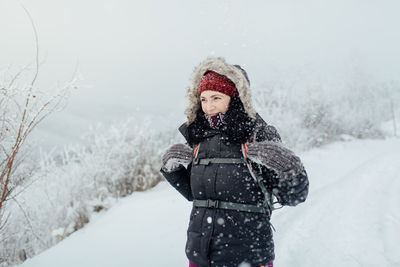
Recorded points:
212,203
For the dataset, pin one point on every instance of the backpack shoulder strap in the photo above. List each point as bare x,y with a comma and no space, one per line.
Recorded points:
258,179
195,154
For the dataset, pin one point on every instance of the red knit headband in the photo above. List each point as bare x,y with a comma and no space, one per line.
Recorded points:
217,82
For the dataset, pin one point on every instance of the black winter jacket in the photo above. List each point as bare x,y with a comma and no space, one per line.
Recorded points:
220,237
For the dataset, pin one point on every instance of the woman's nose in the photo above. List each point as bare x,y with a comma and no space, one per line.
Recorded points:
209,107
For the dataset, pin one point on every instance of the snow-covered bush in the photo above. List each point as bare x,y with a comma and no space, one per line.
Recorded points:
23,105
66,188
312,113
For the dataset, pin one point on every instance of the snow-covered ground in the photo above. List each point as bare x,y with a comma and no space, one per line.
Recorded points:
351,218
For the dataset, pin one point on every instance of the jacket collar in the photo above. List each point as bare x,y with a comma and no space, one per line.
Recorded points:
184,130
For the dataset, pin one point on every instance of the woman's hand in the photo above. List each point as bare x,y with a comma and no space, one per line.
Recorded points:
275,156
175,156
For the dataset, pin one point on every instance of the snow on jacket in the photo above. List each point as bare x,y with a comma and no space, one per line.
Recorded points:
220,237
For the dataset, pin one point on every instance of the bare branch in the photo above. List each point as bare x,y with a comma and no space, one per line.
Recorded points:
37,45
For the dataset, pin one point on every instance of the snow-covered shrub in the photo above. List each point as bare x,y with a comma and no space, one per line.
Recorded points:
312,113
66,188
23,106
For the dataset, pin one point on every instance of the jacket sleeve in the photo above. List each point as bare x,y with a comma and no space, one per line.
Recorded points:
180,180
291,192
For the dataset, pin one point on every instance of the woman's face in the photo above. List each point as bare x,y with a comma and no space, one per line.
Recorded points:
213,102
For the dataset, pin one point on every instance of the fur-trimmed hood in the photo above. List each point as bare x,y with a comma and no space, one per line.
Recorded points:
236,74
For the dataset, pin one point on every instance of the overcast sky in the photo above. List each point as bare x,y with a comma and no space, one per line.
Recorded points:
138,55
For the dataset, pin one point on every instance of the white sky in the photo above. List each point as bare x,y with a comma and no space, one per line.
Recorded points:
138,55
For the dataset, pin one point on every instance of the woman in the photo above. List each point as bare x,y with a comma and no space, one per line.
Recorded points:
232,164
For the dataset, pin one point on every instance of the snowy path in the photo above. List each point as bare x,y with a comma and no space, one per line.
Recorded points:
352,215
351,218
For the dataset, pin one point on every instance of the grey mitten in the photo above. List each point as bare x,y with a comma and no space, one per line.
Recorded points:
176,155
275,156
